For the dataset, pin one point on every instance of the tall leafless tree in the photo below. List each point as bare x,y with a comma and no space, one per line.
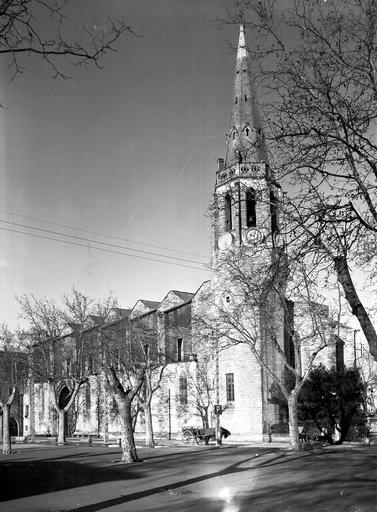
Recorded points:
63,342
260,297
315,64
129,358
152,382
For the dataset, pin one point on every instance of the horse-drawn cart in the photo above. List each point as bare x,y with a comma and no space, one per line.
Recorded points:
202,435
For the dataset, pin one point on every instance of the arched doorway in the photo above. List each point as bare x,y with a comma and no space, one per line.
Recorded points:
13,427
64,397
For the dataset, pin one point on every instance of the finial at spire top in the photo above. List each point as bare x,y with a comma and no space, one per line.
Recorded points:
242,51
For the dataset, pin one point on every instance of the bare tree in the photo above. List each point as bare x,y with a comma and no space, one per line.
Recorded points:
316,66
64,346
152,382
128,358
147,353
43,29
13,373
258,306
200,385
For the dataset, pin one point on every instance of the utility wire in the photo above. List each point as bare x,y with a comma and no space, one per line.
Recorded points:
101,234
90,240
45,237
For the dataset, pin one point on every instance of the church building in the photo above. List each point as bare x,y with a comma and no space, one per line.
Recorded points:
223,343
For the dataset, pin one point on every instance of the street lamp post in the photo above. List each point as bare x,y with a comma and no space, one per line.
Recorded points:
217,408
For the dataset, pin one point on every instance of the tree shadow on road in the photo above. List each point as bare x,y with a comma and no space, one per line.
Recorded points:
30,474
27,478
324,481
286,482
229,470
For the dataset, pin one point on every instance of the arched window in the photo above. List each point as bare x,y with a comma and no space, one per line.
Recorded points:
229,386
179,349
247,131
234,135
274,213
228,213
251,216
182,390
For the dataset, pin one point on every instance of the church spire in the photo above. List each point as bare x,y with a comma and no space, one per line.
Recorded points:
245,138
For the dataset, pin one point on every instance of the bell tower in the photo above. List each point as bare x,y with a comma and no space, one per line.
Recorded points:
247,244
246,196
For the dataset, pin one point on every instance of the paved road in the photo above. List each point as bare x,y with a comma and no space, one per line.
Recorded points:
227,479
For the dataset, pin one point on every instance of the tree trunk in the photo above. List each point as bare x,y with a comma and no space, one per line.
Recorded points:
345,279
31,403
293,421
204,415
105,410
105,423
5,407
345,422
61,426
7,444
129,453
149,437
63,411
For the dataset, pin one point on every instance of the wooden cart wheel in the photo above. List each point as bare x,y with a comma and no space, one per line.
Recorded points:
188,435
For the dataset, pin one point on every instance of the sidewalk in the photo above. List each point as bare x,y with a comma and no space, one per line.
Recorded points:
159,443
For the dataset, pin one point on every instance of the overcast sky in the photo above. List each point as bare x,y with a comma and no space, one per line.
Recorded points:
128,151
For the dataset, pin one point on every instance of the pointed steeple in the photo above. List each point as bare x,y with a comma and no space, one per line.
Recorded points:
245,138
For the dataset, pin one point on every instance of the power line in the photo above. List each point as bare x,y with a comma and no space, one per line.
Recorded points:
101,249
90,240
101,234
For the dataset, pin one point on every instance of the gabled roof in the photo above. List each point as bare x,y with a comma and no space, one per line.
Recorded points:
151,304
143,307
186,296
174,298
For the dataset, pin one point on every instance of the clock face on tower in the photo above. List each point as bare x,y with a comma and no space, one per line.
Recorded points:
254,236
225,241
